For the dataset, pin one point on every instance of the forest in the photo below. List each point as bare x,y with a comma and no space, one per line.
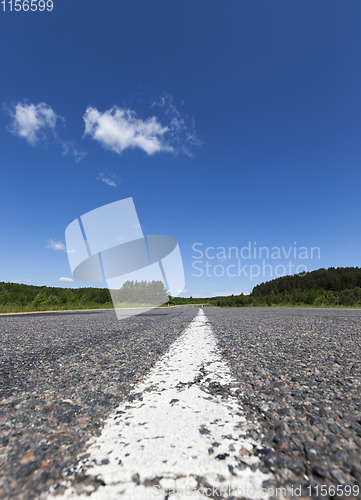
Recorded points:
16,297
332,287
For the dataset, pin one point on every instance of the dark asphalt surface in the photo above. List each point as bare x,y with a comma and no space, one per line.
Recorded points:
299,378
60,377
298,372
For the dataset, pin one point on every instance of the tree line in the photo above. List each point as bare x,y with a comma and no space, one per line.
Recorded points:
324,287
140,293
18,297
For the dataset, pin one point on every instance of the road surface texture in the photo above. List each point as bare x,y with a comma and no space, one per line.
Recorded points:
258,395
299,377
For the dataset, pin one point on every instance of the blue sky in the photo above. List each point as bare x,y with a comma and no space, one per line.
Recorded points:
227,122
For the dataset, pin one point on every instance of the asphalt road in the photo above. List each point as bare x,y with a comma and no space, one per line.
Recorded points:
297,377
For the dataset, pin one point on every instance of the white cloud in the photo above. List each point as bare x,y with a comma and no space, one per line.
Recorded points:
56,245
68,280
110,179
38,122
59,246
117,129
33,121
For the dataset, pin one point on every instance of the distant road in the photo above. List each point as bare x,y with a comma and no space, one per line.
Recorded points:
78,311
290,376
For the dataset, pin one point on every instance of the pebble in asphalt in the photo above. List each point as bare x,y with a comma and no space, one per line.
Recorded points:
297,370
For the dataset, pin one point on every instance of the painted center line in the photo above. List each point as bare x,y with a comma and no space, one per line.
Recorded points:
183,432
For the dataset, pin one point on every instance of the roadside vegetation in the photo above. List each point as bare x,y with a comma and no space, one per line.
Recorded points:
180,301
28,298
25,298
333,287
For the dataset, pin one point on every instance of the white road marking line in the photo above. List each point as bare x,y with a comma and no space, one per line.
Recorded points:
178,436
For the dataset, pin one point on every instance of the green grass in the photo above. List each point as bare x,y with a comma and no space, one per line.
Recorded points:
16,308
288,305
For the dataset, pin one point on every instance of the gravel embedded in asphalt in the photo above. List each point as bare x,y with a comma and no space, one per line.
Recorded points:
60,377
175,436
299,379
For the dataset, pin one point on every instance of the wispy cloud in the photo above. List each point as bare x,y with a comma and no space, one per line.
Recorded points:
166,101
33,122
70,148
56,245
118,129
108,178
182,129
67,280
38,123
